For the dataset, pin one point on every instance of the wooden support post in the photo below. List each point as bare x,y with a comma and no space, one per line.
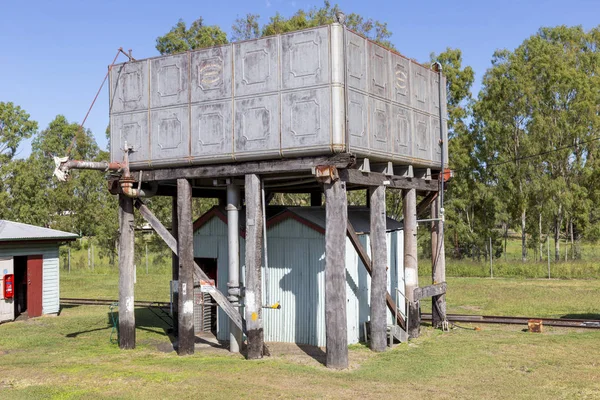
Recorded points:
316,199
175,268
336,220
186,268
366,260
438,270
126,274
411,271
378,340
254,233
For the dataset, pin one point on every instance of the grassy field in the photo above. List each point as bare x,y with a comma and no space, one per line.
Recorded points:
71,357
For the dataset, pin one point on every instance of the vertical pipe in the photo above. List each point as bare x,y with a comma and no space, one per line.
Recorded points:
442,141
93,256
336,325
379,265
265,248
253,302
174,269
411,269
233,248
185,250
69,259
126,272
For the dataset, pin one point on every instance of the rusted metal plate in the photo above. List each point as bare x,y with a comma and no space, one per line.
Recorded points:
535,325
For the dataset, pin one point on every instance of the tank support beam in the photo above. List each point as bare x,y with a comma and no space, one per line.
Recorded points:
438,270
254,237
411,271
126,274
185,250
378,241
336,325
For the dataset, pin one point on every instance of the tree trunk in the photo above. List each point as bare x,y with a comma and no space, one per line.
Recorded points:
567,239
572,241
505,238
557,224
540,238
523,235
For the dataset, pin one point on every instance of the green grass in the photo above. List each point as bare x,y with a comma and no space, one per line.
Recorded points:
81,284
69,357
521,297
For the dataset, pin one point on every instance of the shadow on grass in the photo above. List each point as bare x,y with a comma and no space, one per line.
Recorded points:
146,319
581,316
314,352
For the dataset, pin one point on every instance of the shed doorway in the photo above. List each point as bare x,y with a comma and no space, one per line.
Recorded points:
205,313
28,285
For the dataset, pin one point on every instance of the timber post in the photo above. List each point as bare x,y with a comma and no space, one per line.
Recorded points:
378,340
411,271
174,269
126,274
336,219
185,245
254,238
438,270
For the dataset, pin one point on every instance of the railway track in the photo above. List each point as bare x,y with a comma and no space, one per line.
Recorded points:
491,319
105,302
476,319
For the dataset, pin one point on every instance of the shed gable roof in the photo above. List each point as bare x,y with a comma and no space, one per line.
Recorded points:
15,231
312,217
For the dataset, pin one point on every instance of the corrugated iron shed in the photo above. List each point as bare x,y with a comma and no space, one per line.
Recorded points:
15,231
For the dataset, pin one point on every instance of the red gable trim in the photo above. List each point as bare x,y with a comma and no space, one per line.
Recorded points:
207,216
288,214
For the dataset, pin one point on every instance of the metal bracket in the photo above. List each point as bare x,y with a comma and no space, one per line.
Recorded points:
325,173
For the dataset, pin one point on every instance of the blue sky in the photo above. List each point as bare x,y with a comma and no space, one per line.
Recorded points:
54,54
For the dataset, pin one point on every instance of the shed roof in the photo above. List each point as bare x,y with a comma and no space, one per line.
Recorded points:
359,217
313,217
15,231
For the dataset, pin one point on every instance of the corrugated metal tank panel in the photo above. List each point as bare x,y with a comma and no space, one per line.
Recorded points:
277,96
297,280
50,271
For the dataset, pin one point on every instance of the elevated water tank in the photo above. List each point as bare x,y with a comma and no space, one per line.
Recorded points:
281,96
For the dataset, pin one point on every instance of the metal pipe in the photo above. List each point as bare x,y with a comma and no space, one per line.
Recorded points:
266,254
442,142
429,220
233,247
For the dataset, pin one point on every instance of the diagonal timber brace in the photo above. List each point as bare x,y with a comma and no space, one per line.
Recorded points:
366,260
219,297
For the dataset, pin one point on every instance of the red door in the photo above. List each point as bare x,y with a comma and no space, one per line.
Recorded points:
34,285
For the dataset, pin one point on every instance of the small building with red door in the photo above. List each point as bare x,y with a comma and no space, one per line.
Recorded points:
29,269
